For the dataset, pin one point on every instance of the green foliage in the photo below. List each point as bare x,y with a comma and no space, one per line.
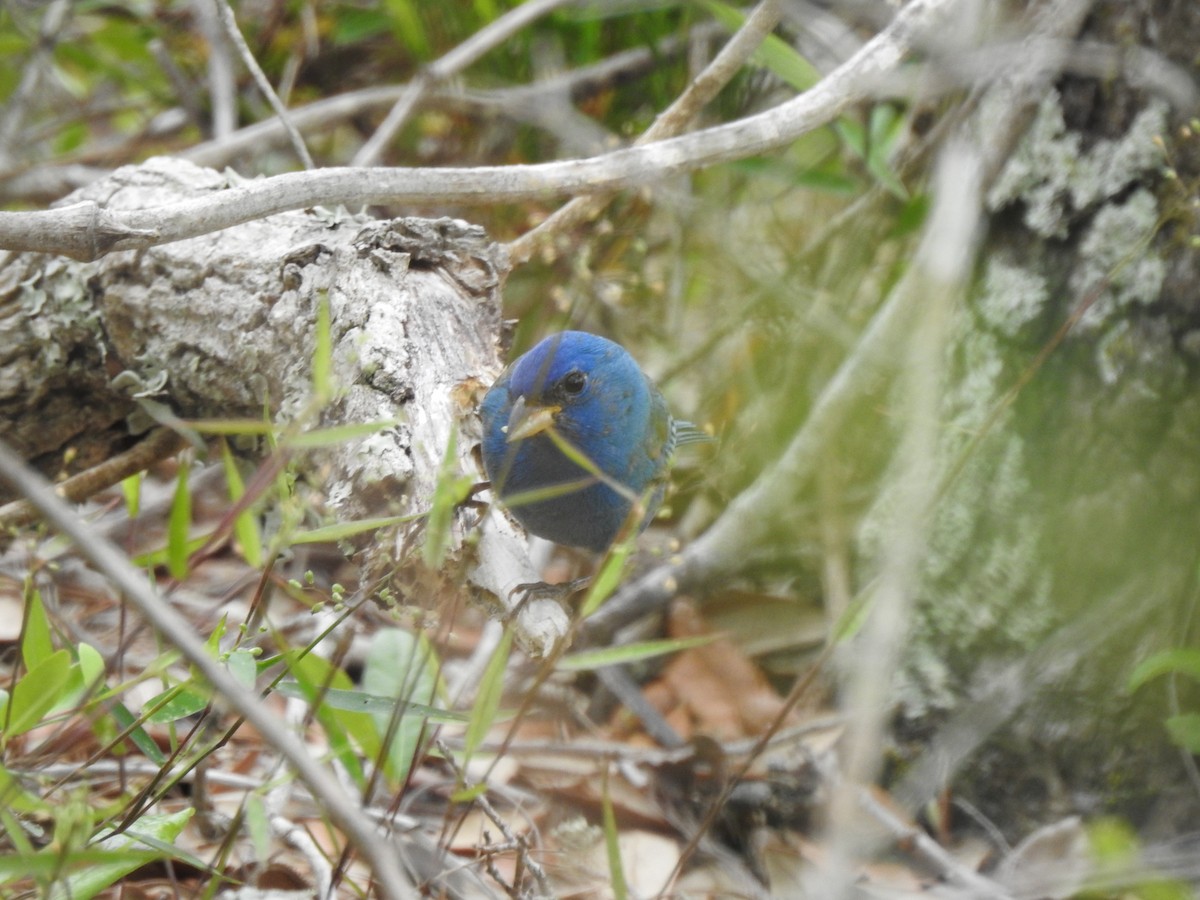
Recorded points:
245,524
403,667
54,680
589,660
385,720
453,487
1115,848
81,860
1184,728
179,522
487,700
612,846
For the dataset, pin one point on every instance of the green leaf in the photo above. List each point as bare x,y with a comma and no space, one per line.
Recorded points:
258,825
345,729
161,556
243,667
884,125
588,660
176,703
178,523
1185,731
361,701
322,366
338,434
36,644
231,427
1181,661
125,855
487,700
773,54
611,571
342,530
245,525
408,27
401,666
37,692
468,795
49,863
146,744
91,664
131,489
452,488
353,25
86,676
612,844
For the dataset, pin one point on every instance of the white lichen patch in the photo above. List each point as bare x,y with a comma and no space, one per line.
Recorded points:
1053,176
1012,295
1115,259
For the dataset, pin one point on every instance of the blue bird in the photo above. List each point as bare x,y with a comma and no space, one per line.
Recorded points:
574,434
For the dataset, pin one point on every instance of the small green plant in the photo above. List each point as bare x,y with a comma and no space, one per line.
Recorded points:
1184,728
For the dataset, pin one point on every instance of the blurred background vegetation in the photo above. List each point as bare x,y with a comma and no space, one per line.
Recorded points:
1071,481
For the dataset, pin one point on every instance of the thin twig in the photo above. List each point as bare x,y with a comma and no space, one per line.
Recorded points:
939,279
155,447
86,231
485,806
260,78
458,59
222,87
672,121
17,107
132,584
926,847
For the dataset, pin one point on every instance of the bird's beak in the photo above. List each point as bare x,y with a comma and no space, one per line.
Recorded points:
528,419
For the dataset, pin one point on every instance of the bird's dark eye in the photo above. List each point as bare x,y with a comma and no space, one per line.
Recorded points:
574,382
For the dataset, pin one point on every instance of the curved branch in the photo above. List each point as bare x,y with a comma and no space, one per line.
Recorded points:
627,168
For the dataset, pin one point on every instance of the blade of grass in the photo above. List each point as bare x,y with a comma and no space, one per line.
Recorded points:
245,524
587,660
178,522
612,843
487,700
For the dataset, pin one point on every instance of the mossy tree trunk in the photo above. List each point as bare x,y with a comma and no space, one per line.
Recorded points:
1065,547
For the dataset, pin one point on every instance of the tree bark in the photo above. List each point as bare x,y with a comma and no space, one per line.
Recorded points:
1064,548
224,326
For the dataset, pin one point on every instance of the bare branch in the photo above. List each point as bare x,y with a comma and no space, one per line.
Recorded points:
31,75
631,167
158,445
225,13
132,584
449,65
222,87
672,121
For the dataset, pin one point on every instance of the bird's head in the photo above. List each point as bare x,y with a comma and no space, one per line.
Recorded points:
570,381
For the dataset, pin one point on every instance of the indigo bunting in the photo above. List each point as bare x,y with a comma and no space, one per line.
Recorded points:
573,435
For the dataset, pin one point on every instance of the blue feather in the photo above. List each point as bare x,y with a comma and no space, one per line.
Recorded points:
583,393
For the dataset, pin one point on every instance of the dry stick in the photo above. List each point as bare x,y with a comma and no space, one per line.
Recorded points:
158,445
132,583
18,103
575,83
222,87
485,806
86,231
239,41
939,278
466,53
672,121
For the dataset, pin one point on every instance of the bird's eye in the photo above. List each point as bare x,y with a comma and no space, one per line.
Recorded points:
573,382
